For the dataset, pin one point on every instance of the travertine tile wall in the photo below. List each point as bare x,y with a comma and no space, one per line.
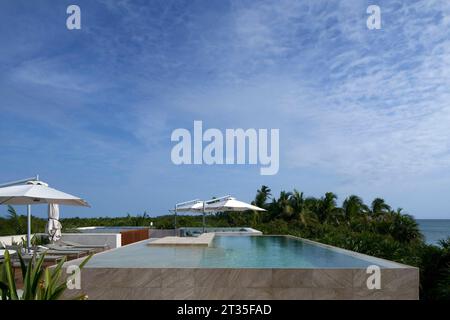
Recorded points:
239,284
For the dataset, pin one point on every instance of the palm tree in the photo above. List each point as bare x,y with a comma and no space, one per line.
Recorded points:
403,227
283,206
300,209
297,202
313,205
308,218
262,195
15,220
353,207
379,207
327,206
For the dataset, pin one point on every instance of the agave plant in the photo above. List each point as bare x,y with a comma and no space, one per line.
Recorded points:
38,283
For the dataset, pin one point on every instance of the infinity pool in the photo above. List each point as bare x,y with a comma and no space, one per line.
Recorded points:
236,252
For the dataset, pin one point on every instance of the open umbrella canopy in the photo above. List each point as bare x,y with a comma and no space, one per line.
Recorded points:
36,192
216,205
230,204
194,206
226,203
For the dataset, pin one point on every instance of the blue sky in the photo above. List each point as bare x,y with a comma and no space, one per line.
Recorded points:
360,111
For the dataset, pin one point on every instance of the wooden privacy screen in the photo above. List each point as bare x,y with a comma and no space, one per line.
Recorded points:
132,236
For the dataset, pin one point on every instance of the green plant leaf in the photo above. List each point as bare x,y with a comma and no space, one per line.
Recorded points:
56,274
82,264
23,267
57,292
3,283
10,277
3,286
47,284
27,286
37,273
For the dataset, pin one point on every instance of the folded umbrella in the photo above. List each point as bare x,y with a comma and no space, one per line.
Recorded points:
53,226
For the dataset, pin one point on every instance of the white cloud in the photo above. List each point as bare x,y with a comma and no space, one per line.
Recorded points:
375,110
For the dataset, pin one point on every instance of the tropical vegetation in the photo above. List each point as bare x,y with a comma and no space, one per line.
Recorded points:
38,283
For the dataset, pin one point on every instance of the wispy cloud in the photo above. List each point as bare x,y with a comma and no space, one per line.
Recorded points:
53,74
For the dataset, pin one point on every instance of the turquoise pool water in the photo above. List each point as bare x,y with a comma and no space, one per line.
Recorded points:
235,252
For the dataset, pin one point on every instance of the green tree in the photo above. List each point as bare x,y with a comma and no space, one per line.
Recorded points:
262,195
379,207
297,202
434,269
327,208
16,221
282,206
404,227
353,207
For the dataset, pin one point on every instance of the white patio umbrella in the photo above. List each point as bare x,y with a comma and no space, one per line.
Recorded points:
53,226
230,204
188,206
36,192
226,203
195,206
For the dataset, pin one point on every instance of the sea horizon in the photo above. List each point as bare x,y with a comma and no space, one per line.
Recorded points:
434,229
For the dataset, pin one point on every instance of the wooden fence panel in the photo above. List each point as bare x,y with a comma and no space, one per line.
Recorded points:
132,236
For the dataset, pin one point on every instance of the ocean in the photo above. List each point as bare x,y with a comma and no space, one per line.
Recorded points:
434,229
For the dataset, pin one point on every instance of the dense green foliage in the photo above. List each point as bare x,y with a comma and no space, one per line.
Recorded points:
375,229
15,223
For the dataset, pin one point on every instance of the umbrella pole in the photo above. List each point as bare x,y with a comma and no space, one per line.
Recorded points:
175,220
29,228
203,216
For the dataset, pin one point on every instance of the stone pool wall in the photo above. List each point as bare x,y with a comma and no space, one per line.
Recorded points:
241,284
112,240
